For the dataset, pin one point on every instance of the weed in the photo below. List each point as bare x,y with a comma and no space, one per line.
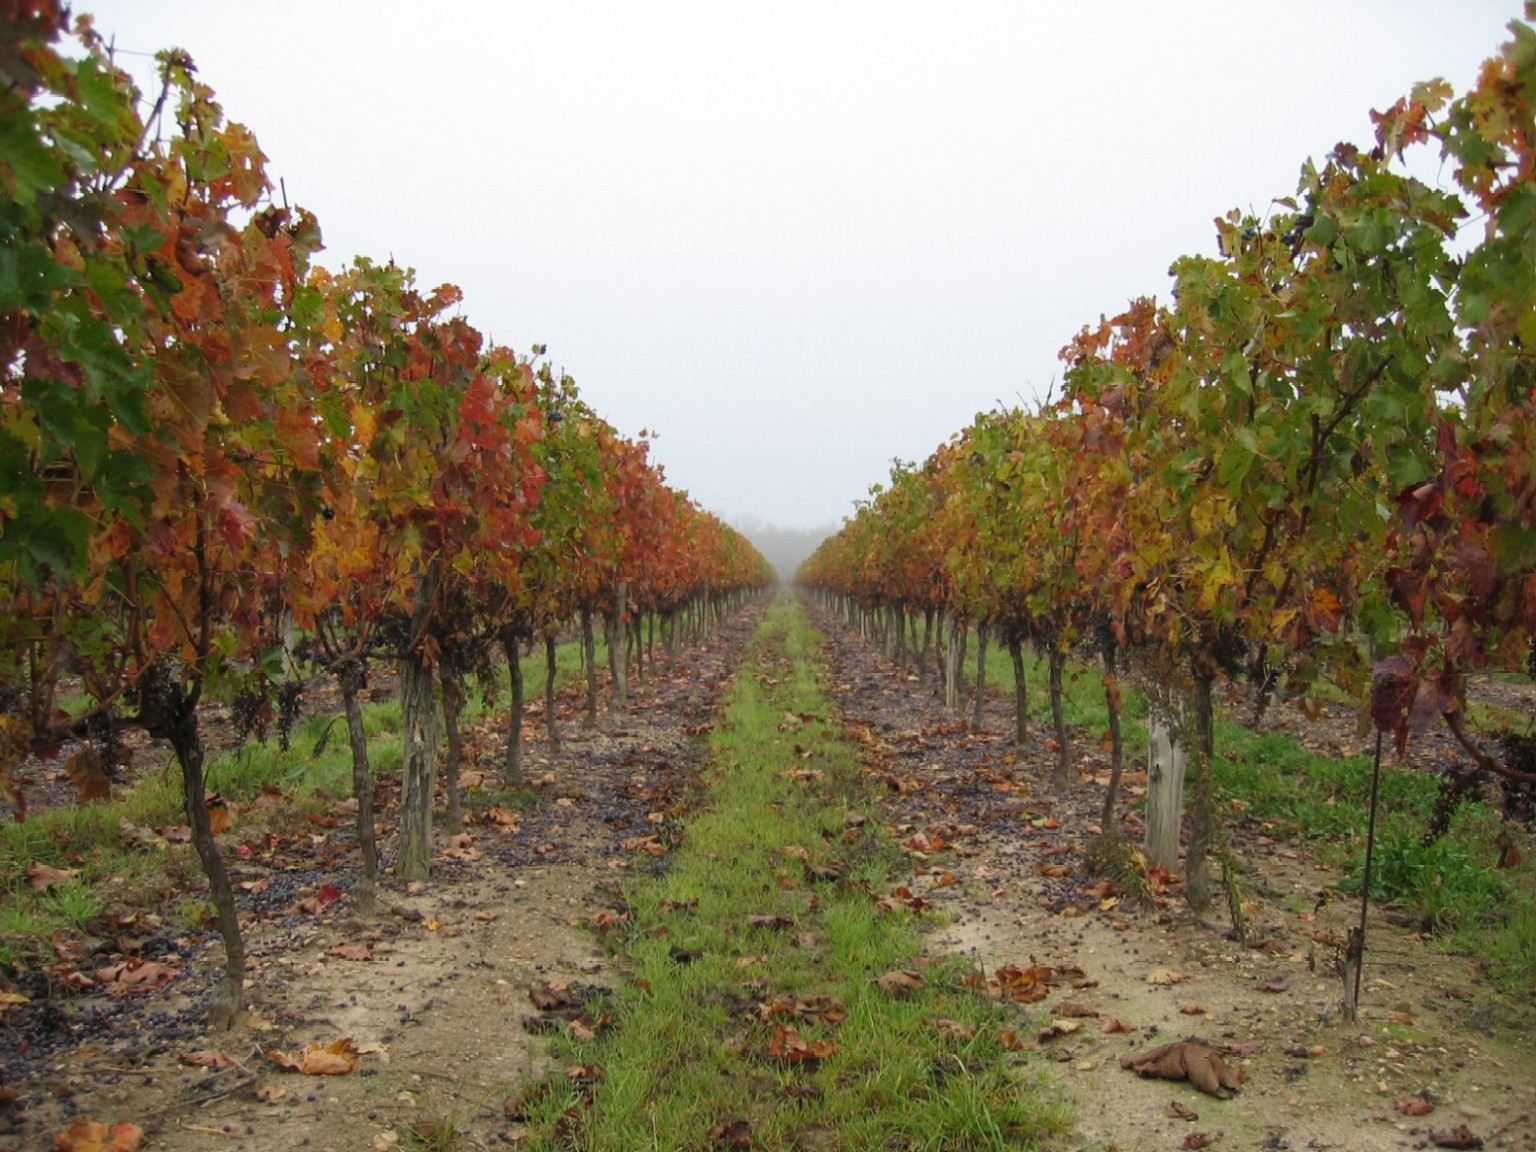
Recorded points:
1438,882
76,903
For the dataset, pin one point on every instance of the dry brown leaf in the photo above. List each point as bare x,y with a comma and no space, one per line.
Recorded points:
954,1029
131,977
335,1059
351,951
1116,1024
1165,977
1192,1009
899,984
789,1046
735,1135
1192,1060
42,876
1059,1028
1196,1140
1178,1111
1074,1010
1413,1106
206,1058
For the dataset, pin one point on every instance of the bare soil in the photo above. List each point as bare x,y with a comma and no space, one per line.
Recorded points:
441,1013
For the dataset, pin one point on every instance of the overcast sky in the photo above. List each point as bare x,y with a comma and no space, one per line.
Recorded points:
798,239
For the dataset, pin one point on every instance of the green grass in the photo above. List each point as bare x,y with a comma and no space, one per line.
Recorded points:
693,1050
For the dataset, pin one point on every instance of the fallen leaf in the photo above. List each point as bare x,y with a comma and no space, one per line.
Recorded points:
1276,986
733,1134
1059,1028
1199,1140
351,951
776,923
1074,1010
1165,977
85,1135
41,876
1192,1009
206,1058
1414,1106
335,1059
1116,1024
132,977
1178,1111
1025,985
954,1029
789,1046
899,984
267,1093
1192,1060
552,996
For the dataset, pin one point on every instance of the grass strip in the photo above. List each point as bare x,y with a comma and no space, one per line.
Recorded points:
760,1009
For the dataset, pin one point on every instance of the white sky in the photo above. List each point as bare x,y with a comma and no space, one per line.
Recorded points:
798,239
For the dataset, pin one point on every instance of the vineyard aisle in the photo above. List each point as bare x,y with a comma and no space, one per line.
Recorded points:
434,992
1000,857
788,901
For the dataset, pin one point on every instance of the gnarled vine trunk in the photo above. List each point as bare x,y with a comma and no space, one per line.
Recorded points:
512,767
1166,762
550,724
350,680
1020,690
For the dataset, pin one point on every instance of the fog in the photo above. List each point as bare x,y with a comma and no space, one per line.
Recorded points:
784,548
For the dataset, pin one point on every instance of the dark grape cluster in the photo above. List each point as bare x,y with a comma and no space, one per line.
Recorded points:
290,696
248,715
1519,797
1456,786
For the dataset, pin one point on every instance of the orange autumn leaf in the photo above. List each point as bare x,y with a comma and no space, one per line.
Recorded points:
335,1059
86,1135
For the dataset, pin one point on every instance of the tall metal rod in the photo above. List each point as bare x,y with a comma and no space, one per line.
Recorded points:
1370,850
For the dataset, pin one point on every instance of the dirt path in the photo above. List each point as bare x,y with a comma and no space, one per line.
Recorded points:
438,1007
1010,889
